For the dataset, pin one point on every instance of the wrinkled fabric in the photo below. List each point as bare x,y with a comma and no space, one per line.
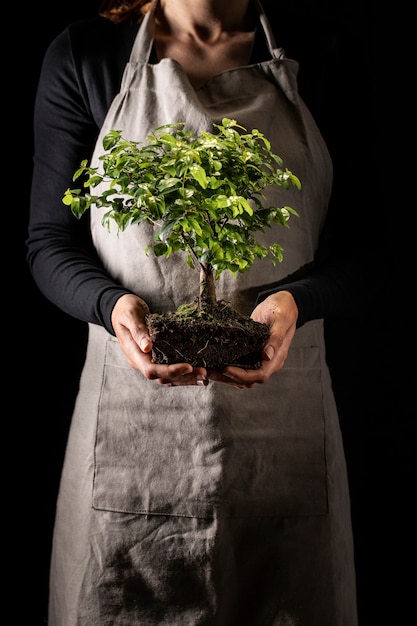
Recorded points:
207,506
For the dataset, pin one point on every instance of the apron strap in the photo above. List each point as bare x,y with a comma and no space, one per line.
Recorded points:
276,53
142,46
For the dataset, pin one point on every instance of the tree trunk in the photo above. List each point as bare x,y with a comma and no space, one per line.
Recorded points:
207,296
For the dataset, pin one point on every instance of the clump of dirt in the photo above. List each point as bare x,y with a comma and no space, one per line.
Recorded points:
213,337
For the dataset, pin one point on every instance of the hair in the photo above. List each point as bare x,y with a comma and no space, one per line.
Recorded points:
124,10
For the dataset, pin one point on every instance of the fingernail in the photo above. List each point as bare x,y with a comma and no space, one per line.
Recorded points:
201,382
144,344
269,351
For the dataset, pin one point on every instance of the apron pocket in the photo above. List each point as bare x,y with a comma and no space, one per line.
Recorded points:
214,451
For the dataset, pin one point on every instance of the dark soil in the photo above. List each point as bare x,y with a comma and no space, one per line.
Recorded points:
212,338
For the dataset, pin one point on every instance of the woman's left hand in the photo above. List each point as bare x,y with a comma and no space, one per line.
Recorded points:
279,311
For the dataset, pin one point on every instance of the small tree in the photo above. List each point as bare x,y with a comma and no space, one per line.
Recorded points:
196,190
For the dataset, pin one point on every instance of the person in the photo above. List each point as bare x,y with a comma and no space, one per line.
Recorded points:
190,496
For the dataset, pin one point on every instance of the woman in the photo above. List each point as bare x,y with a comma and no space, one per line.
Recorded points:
191,496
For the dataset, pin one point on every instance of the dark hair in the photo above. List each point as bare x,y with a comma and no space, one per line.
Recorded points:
124,10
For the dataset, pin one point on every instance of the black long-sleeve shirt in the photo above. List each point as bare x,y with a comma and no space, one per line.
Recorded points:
80,76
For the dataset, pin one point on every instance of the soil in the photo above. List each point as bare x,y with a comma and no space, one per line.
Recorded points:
212,338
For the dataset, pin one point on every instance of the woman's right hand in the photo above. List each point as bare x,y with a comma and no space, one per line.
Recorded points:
128,320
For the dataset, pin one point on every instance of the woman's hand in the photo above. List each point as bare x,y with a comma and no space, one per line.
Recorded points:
128,320
279,311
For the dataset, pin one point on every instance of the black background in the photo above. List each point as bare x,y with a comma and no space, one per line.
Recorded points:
45,350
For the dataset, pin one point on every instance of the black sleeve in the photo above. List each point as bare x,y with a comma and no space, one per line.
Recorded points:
77,84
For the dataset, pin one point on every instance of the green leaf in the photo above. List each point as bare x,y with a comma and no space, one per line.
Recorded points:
198,173
245,205
167,184
160,249
111,139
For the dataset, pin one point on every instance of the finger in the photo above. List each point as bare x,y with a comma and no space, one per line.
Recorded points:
221,377
167,373
186,380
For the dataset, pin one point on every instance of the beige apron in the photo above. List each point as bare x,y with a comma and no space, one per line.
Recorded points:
214,506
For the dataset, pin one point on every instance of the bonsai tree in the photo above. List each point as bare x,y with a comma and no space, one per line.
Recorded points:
204,194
